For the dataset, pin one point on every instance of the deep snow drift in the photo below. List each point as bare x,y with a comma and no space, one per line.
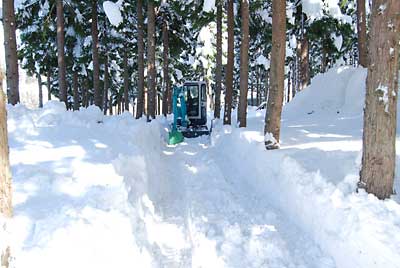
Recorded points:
95,191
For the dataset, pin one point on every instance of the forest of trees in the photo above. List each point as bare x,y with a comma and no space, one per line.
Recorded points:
248,52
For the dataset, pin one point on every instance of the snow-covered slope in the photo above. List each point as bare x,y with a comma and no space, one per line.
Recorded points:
95,191
340,90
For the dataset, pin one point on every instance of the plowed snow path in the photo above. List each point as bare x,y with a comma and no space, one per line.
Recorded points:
222,220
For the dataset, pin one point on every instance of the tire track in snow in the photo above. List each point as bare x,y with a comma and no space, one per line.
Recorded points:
230,225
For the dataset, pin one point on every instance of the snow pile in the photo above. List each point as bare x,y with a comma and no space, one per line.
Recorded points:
314,9
338,91
262,60
337,40
68,198
113,12
208,5
346,225
313,177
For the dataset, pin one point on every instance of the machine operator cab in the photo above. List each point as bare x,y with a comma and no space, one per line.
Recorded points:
195,93
190,111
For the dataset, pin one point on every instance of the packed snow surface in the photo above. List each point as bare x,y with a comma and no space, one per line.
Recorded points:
95,191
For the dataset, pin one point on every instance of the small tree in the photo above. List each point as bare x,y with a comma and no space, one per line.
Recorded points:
379,136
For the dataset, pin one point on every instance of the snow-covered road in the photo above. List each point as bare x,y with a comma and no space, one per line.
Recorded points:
228,223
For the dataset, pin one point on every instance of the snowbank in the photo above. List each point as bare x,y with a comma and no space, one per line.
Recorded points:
340,90
71,205
313,177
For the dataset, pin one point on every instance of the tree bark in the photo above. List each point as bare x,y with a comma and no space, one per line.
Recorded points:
251,91
304,63
229,65
218,68
5,172
49,84
151,55
126,79
106,85
258,87
39,78
362,33
10,49
95,55
379,136
267,85
85,93
324,59
62,84
244,64
167,101
275,100
75,91
140,44
119,104
289,85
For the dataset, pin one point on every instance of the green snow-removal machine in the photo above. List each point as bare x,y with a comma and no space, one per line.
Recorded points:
189,104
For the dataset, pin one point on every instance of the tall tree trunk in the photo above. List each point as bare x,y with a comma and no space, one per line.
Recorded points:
167,101
159,104
362,33
39,78
251,91
95,54
5,172
126,79
106,85
304,63
85,93
229,65
324,59
140,44
379,138
244,64
289,85
75,91
49,84
10,48
151,55
275,100
258,86
110,106
267,72
119,104
218,68
62,84
294,82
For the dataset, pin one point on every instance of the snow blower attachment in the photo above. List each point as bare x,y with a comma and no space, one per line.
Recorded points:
189,105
